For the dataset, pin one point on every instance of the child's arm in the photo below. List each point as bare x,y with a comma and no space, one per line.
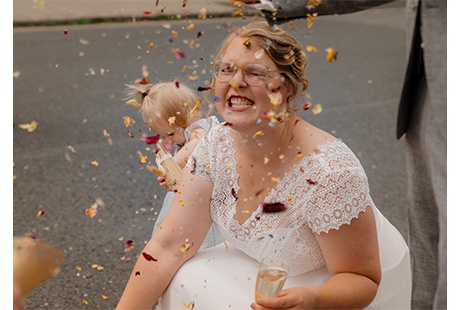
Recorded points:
184,153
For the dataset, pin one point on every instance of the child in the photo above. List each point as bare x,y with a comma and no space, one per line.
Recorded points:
172,110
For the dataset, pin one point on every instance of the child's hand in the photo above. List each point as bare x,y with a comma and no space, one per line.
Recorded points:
162,181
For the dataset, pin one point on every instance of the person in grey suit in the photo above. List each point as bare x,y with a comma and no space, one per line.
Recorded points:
422,118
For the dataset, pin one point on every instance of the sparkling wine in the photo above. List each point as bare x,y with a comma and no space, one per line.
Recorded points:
270,282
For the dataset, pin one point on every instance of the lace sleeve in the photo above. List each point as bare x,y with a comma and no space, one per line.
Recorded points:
200,161
341,194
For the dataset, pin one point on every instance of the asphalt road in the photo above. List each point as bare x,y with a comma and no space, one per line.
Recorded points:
70,80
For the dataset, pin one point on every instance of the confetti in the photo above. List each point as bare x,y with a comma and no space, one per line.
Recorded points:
234,194
29,127
317,109
40,213
203,88
311,48
197,105
149,257
202,14
143,159
259,54
181,202
259,133
184,247
247,42
151,139
174,33
179,54
331,54
273,207
306,105
127,121
149,48
94,163
143,81
171,120
312,182
275,99
309,20
65,31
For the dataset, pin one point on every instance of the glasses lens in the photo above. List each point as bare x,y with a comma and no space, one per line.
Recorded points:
255,74
224,71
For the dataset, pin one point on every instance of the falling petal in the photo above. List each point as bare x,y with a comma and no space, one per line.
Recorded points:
259,54
317,109
309,21
202,13
306,105
40,213
259,133
275,99
149,257
311,48
273,207
197,105
151,139
29,127
331,54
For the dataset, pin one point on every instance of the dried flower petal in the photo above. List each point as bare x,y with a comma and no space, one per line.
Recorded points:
331,54
29,127
317,109
40,213
151,139
149,257
273,207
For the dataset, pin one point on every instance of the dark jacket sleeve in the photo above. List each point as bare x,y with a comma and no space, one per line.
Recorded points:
287,10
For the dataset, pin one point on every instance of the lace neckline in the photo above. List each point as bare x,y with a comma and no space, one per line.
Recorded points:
272,194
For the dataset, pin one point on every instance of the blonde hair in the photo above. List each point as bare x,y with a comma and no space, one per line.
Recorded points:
282,48
166,100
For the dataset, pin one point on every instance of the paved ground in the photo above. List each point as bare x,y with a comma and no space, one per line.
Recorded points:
27,12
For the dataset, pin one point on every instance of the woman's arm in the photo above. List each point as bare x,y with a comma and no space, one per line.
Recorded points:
178,238
352,258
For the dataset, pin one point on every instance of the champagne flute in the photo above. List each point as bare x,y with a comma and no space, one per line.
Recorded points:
273,272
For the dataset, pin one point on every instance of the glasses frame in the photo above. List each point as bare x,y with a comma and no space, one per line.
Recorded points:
232,65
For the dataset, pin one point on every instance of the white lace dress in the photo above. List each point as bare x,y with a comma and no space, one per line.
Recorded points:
322,192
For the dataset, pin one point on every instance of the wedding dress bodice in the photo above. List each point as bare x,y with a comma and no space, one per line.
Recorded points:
322,191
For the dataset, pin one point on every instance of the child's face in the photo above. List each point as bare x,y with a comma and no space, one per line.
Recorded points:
169,133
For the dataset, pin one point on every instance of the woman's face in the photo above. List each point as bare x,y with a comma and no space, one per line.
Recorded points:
245,106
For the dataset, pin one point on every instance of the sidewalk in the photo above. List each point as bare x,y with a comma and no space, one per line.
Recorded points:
48,12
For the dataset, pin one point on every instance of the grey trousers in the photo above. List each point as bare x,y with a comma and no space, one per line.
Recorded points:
426,139
212,238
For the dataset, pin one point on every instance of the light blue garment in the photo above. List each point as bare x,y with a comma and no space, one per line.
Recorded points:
212,238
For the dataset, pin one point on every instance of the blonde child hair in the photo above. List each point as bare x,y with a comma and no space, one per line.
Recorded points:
171,101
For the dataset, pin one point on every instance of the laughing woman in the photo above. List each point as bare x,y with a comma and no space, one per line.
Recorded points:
274,185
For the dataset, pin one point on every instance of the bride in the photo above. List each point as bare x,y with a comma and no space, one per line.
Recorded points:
273,185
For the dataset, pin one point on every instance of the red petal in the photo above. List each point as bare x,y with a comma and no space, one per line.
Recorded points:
273,207
234,194
312,182
151,139
149,257
138,273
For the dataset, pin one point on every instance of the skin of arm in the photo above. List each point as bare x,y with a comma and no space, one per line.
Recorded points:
178,238
352,258
184,153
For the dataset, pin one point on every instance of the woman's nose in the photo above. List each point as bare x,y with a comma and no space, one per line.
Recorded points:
238,79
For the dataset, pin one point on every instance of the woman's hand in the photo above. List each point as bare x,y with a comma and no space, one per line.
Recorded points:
291,298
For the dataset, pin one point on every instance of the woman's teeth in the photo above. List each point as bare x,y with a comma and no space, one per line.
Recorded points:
239,102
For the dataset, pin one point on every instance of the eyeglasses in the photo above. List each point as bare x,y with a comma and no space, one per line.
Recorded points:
253,74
